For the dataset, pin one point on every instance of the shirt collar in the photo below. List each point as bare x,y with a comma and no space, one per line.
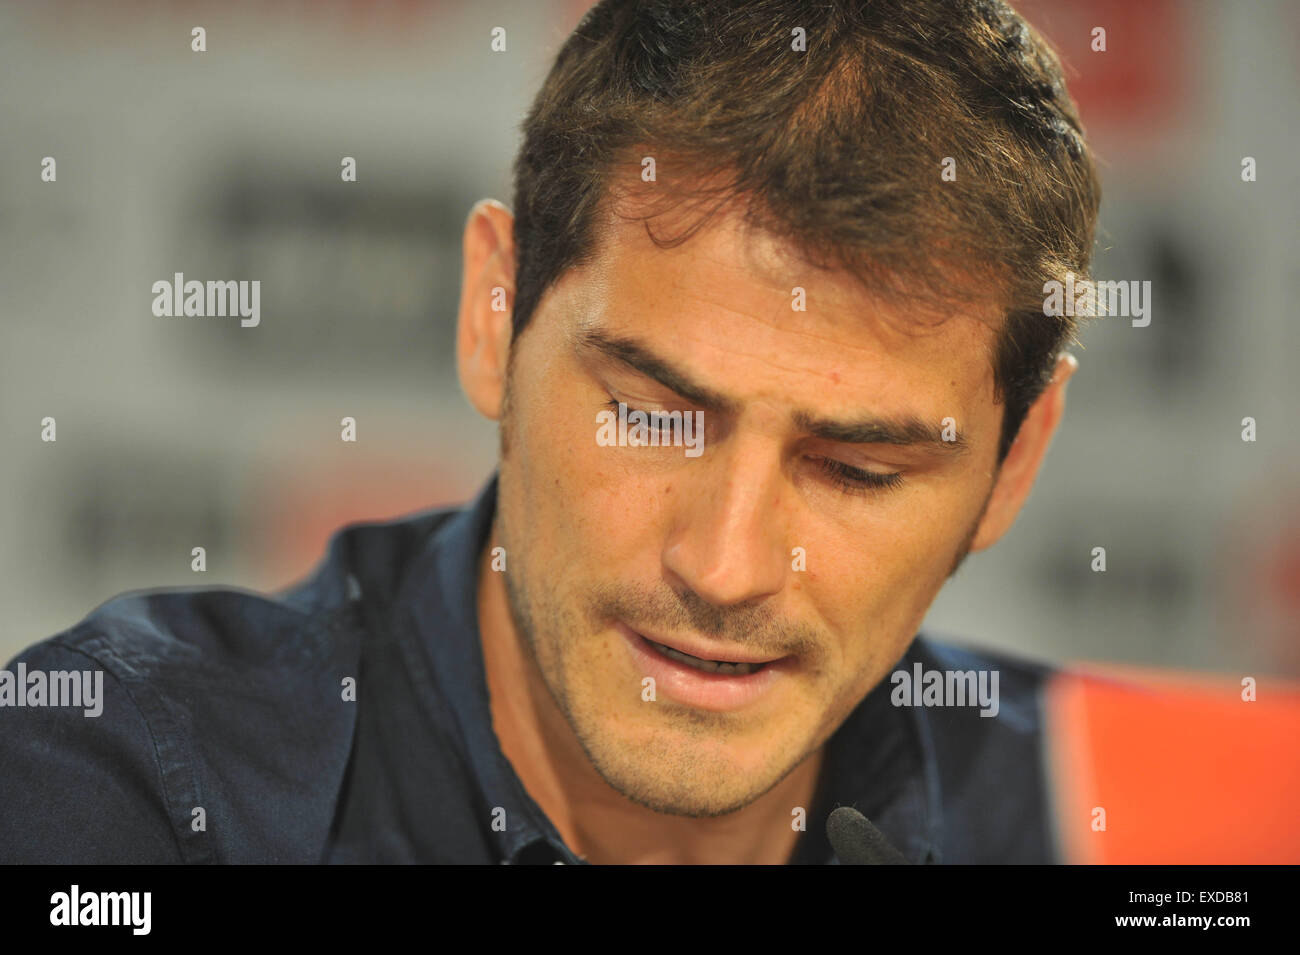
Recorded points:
440,595
881,760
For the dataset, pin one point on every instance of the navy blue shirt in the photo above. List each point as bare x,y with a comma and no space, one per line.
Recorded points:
225,734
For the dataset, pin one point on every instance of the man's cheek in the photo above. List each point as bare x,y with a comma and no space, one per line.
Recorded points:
616,498
921,538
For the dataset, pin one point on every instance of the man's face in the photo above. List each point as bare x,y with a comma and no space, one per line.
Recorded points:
770,546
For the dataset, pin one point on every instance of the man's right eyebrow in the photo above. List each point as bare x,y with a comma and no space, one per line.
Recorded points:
640,359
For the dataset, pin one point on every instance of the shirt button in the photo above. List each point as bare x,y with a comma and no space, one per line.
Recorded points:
558,862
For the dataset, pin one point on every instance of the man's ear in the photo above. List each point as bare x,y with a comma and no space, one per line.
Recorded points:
1016,477
487,296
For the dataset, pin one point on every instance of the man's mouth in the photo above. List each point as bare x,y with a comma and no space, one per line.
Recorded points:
708,666
703,673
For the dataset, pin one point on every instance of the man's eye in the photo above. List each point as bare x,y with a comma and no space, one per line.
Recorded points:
853,480
663,424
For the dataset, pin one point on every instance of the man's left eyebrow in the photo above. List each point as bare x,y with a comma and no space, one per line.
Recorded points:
909,432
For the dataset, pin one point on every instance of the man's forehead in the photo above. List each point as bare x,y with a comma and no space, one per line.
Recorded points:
732,290
732,264
722,249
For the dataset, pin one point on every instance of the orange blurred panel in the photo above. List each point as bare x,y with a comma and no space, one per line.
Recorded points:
1185,769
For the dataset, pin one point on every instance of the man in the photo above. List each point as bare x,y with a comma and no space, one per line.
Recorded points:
765,339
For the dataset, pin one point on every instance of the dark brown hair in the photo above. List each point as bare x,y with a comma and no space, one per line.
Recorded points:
837,148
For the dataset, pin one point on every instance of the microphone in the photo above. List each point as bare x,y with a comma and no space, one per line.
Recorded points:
856,841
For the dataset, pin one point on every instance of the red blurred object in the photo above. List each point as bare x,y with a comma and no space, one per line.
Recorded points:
1185,769
1138,87
300,516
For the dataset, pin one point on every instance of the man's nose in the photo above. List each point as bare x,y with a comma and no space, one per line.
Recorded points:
728,541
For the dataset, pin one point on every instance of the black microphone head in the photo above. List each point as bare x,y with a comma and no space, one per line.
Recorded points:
857,842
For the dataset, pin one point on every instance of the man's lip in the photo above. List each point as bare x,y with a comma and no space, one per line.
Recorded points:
703,649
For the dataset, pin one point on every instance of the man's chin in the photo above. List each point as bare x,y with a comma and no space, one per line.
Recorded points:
681,773
699,800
